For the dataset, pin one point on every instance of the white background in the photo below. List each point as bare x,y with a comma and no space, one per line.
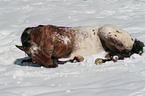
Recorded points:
124,78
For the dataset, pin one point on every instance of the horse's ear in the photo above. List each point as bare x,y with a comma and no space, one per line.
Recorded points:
20,47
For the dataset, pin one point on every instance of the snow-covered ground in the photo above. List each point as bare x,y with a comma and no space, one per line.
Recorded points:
124,78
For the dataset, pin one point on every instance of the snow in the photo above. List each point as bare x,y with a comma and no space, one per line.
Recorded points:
123,78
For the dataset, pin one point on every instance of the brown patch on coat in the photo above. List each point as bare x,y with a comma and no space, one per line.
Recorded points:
49,44
115,47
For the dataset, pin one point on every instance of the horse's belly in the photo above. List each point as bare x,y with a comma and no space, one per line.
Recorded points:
87,42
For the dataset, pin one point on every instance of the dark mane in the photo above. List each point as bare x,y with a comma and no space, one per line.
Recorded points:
137,47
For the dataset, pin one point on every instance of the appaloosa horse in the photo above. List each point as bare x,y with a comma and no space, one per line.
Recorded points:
45,44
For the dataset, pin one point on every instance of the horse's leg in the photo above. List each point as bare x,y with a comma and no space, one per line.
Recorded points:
99,61
74,60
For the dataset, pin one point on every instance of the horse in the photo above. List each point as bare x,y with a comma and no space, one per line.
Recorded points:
45,44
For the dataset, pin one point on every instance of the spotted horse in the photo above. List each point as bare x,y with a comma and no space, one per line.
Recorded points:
45,44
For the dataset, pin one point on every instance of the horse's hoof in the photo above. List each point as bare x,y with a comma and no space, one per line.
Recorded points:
115,58
98,61
79,58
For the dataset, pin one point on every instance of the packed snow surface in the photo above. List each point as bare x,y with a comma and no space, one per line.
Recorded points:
124,78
